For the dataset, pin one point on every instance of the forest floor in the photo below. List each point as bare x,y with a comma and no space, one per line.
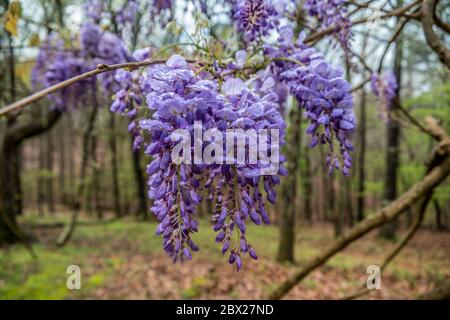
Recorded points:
124,260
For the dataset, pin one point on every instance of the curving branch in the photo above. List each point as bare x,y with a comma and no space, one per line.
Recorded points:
441,24
394,13
398,248
427,18
101,68
438,171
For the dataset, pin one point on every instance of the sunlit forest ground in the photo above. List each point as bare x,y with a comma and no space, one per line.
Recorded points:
123,259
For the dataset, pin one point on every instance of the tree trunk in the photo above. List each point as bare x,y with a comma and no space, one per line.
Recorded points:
142,210
71,142
41,180
9,164
96,178
287,216
16,133
114,165
361,158
393,145
437,210
62,163
307,186
339,209
49,175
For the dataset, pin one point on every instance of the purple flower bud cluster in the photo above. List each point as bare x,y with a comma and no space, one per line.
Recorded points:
126,102
93,9
127,14
254,18
159,8
332,13
56,62
236,188
324,94
178,99
384,87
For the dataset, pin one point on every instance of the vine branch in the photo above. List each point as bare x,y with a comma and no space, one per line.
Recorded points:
101,68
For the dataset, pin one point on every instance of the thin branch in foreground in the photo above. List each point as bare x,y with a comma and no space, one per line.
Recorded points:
398,248
440,164
100,69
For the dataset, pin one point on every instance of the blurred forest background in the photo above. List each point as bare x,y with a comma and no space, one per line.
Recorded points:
114,242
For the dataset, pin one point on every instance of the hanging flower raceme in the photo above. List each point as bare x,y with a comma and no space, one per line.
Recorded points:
127,14
57,62
54,64
230,135
177,98
384,87
324,94
254,18
332,13
235,185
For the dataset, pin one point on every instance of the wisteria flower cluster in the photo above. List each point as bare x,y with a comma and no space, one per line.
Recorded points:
384,87
180,99
57,62
254,18
332,13
322,91
54,64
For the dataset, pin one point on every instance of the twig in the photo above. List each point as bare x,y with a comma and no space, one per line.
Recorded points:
100,69
397,32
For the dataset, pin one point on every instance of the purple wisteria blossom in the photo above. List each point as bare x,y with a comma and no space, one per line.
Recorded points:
127,14
54,64
57,62
324,94
384,87
180,99
254,18
332,13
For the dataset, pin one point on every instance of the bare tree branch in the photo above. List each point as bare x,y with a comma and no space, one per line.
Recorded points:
440,164
398,12
427,18
100,69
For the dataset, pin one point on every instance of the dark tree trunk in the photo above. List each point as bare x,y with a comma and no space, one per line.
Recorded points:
361,159
287,216
339,207
16,133
49,175
438,214
62,163
71,142
330,198
307,186
114,165
9,164
96,178
142,210
41,180
349,201
393,145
